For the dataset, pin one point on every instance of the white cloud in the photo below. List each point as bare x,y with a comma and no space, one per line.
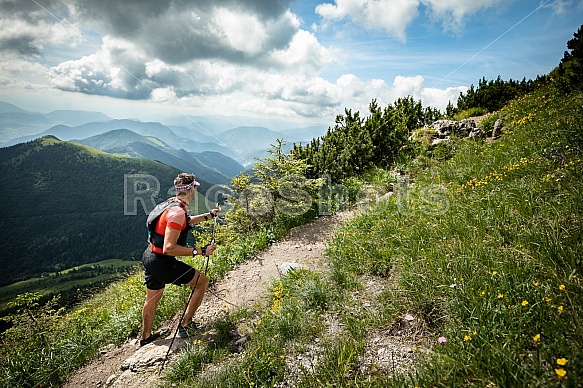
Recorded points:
235,58
407,86
243,32
453,12
393,16
304,53
27,38
116,70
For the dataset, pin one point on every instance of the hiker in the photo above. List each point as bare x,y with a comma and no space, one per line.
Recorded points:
168,240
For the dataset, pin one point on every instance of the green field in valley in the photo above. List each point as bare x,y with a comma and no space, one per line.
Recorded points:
71,281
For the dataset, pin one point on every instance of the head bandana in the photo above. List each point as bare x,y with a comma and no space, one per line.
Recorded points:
187,186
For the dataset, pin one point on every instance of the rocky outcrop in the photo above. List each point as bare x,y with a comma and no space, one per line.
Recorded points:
441,131
462,128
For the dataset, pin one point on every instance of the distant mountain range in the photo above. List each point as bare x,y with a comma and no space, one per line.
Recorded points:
16,122
211,166
231,136
62,178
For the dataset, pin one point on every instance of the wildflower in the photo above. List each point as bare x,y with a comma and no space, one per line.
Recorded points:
525,302
562,361
560,308
562,287
500,296
561,373
536,338
467,338
494,272
442,340
536,284
453,285
548,300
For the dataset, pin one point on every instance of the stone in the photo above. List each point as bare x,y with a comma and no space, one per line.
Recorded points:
497,129
285,268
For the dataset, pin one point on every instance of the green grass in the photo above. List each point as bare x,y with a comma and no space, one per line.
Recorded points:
485,249
470,113
69,280
501,267
45,343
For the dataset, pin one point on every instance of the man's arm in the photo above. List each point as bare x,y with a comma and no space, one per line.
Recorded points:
171,248
205,216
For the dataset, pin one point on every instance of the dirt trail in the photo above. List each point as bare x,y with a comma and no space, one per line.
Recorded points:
129,366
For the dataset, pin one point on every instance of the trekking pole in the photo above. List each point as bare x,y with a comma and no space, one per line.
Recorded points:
189,298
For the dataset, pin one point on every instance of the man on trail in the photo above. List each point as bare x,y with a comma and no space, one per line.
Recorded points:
168,240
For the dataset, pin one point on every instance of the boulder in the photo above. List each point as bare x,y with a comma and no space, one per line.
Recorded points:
497,129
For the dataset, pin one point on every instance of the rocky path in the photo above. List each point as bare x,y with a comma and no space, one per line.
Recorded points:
130,366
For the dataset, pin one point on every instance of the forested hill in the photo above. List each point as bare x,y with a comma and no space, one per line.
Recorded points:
63,205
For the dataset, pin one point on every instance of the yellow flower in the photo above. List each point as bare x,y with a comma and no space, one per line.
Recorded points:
560,308
494,272
548,299
500,296
467,338
536,338
561,373
524,302
536,284
562,361
562,287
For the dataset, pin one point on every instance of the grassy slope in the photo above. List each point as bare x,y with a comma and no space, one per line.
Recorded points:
498,274
485,249
501,221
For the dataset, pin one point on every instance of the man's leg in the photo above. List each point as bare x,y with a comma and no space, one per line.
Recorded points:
149,310
197,296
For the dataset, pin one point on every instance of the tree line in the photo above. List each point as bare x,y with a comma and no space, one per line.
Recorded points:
357,143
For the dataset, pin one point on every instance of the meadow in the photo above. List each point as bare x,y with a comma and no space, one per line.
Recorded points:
475,262
480,254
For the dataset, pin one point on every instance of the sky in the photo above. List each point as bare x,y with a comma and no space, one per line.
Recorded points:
299,60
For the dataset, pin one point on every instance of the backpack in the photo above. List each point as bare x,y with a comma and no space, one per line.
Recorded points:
156,238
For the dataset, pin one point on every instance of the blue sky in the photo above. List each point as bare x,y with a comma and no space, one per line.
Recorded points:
298,60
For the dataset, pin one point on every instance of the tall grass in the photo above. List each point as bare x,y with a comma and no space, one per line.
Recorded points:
484,249
502,266
44,346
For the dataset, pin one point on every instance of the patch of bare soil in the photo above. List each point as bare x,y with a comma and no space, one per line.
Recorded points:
131,366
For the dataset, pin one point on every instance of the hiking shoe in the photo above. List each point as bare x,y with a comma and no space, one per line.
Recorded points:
154,336
151,338
191,329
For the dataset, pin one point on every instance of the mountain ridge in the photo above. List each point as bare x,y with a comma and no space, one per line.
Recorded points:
129,143
82,205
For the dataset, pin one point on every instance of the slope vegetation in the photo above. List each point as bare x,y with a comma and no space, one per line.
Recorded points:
63,205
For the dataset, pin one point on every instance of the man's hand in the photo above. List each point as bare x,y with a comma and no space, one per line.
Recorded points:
208,250
216,211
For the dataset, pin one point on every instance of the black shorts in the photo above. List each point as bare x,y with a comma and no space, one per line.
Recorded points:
160,270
